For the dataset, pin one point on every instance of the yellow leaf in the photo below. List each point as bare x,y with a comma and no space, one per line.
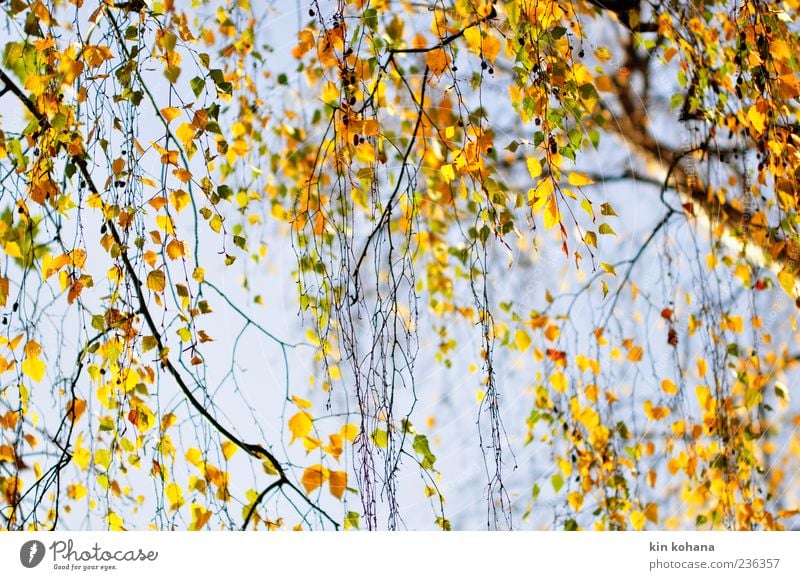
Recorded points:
473,37
448,173
269,468
156,281
552,215
559,382
194,456
575,500
349,432
437,60
704,398
522,340
300,425
314,477
76,491
34,368
302,403
200,517
165,223
12,249
365,152
491,48
311,443
637,520
579,179
115,523
174,496
787,282
534,167
330,93
229,449
338,483
185,135
179,199
756,117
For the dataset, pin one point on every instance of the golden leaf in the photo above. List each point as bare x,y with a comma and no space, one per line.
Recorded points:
300,425
579,179
175,249
156,281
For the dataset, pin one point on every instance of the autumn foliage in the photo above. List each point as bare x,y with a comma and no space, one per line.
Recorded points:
583,215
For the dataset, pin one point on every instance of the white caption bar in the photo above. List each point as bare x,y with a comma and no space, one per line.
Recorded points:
135,555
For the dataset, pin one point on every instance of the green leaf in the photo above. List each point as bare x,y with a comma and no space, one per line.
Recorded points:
197,85
351,520
380,438
422,447
607,209
558,482
606,229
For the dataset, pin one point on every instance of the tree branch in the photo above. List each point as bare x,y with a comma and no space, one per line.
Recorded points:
253,449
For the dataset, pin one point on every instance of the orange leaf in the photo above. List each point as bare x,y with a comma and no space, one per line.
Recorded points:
170,113
75,408
437,60
305,40
314,477
338,483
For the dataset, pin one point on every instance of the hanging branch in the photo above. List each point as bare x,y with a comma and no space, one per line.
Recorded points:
255,450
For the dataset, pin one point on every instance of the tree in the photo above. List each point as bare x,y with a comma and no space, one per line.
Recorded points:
600,197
